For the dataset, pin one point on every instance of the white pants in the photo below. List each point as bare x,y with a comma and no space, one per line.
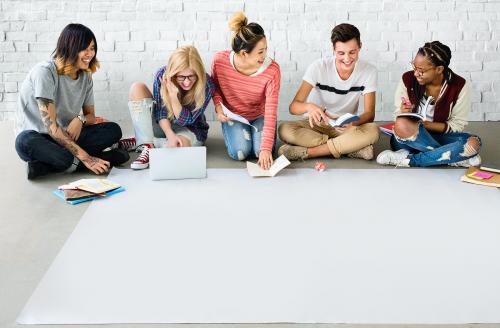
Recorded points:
148,131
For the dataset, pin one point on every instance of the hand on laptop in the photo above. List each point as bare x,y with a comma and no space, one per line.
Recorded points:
174,141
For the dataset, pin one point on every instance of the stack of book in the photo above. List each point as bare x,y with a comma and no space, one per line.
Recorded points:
486,175
87,189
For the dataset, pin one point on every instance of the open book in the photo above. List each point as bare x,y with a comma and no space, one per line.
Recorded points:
336,120
421,113
94,186
343,119
279,164
236,117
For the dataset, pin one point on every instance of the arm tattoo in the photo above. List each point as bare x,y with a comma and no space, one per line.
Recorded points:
43,107
92,161
53,129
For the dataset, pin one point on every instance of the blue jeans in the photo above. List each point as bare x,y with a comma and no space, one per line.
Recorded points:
34,146
429,149
242,141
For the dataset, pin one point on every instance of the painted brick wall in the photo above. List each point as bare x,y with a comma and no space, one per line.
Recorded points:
137,36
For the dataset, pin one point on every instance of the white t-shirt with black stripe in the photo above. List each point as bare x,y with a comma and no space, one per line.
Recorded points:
336,95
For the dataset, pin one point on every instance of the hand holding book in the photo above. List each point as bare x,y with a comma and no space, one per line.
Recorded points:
408,109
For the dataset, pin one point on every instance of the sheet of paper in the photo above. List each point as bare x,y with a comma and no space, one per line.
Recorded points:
331,247
236,117
279,164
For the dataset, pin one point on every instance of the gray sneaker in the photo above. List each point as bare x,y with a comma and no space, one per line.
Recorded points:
397,158
363,153
293,153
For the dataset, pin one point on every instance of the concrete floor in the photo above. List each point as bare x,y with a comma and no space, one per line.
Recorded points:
34,224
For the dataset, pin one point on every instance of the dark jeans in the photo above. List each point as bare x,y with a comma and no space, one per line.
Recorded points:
35,146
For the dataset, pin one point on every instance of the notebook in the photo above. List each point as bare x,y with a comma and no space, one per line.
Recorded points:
471,176
178,163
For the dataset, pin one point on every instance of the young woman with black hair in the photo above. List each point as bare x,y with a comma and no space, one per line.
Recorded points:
438,139
55,118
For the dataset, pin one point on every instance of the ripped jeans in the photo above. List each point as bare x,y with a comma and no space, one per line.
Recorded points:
243,141
429,149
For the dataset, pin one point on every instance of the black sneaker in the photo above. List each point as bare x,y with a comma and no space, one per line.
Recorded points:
115,156
36,169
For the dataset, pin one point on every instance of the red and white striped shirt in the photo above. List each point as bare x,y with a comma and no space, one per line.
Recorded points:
251,96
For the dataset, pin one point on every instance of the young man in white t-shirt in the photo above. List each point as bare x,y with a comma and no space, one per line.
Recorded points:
332,87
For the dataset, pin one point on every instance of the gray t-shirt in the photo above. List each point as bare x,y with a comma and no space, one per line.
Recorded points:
69,96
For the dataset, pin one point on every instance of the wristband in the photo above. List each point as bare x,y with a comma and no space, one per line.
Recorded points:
82,119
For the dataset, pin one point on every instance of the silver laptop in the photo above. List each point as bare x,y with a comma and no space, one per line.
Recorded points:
178,163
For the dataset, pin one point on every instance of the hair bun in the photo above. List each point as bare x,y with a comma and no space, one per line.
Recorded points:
237,21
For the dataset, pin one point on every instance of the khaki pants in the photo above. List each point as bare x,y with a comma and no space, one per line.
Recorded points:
300,133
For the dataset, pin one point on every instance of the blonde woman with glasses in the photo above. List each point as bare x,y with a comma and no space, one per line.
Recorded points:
173,115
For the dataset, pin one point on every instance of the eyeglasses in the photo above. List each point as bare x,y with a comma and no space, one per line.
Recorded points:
181,78
419,71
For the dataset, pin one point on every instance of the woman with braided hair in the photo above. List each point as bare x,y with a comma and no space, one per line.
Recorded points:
438,139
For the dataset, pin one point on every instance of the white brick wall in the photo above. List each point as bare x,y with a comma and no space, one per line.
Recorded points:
137,36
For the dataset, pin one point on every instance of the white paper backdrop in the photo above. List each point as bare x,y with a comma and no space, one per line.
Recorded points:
342,246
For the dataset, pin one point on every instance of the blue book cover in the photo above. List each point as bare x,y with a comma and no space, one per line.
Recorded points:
60,194
343,120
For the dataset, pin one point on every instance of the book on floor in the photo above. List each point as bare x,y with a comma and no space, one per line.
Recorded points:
490,167
484,178
84,190
279,164
95,186
77,198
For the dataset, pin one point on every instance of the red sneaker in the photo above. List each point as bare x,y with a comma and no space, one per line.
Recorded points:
142,162
128,144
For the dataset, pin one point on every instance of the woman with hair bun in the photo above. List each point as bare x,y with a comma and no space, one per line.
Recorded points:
247,82
438,139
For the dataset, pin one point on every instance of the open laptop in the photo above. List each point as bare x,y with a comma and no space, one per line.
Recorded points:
178,163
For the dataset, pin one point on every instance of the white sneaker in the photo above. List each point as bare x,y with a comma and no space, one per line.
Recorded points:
473,161
398,158
142,162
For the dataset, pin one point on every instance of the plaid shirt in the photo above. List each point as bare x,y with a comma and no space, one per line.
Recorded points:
190,118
